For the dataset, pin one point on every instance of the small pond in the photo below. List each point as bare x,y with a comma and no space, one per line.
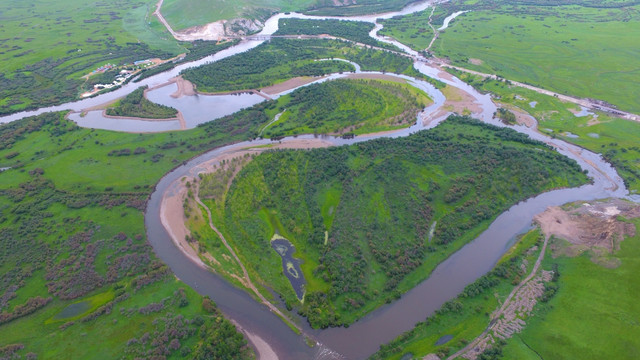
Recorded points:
73,310
290,265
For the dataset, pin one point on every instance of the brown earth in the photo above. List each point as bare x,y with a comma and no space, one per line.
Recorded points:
288,85
377,77
590,226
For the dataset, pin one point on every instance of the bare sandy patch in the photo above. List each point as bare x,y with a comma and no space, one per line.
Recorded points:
172,217
288,85
185,88
590,226
460,101
476,61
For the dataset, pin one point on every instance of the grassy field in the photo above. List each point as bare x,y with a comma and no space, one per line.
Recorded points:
47,46
282,59
594,315
616,139
182,14
581,51
413,29
377,201
75,263
586,51
354,106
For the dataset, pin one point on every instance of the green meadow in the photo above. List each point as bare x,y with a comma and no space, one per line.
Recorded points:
594,314
582,51
75,266
359,216
47,46
576,48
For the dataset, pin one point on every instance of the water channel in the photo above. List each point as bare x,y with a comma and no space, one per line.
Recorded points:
364,337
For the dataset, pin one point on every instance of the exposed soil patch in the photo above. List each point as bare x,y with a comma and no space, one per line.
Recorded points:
476,61
185,88
459,101
288,85
590,226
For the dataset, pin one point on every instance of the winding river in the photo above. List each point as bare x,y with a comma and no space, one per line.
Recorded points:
364,337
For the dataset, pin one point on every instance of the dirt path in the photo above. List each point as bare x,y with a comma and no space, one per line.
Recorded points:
435,32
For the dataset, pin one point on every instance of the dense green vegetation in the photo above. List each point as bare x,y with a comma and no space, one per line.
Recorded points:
594,312
586,49
282,59
616,139
377,201
339,106
196,51
136,105
72,233
351,30
182,14
46,47
466,316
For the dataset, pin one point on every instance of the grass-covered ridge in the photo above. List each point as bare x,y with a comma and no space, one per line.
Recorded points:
377,201
282,59
339,106
74,261
137,105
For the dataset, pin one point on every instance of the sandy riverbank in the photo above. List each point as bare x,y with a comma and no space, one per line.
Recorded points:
289,84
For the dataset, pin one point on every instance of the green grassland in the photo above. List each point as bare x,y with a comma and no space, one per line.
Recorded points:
377,201
47,46
182,14
466,316
616,139
136,105
282,59
354,106
72,233
582,51
582,48
594,315
413,29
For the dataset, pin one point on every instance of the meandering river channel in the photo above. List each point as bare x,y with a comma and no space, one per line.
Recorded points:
365,336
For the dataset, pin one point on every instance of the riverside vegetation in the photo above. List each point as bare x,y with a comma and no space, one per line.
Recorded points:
283,59
569,317
616,139
136,105
339,106
360,216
